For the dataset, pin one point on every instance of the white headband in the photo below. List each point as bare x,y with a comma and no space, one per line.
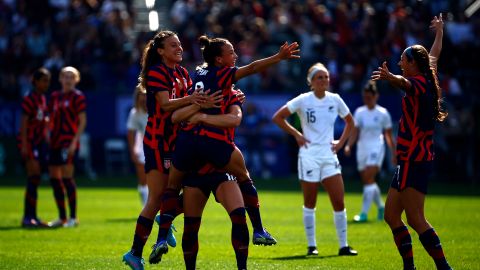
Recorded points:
312,73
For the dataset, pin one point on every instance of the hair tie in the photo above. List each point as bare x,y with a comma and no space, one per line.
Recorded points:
312,74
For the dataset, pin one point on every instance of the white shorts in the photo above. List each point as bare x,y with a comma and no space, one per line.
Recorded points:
316,170
372,156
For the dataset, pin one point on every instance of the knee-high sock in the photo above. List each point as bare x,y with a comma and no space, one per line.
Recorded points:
252,205
170,208
377,197
143,192
309,225
403,240
340,220
31,195
71,189
142,231
431,243
368,195
59,195
190,241
240,236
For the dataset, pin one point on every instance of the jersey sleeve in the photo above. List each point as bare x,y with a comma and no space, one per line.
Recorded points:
343,110
356,118
158,79
233,99
295,104
80,103
419,84
387,123
131,120
27,106
226,77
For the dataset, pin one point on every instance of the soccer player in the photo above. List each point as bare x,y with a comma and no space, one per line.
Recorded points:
68,121
372,124
165,82
421,109
317,157
33,142
136,123
197,187
209,144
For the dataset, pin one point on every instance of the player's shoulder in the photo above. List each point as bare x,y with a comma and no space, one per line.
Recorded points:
78,93
381,109
361,109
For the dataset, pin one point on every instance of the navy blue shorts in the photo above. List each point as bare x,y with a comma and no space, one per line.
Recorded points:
156,159
207,183
192,152
38,152
59,157
414,174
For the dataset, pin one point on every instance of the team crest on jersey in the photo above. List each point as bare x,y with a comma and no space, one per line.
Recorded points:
167,163
330,109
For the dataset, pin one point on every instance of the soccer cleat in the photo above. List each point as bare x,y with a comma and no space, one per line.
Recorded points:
263,238
57,223
71,222
362,217
312,251
171,240
347,251
158,250
381,211
33,223
135,263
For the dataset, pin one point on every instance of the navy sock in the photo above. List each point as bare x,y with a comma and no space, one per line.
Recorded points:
240,236
431,243
71,189
403,240
31,196
142,231
59,194
169,209
190,241
252,205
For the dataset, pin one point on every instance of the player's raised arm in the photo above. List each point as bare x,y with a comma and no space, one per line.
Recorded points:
382,73
436,25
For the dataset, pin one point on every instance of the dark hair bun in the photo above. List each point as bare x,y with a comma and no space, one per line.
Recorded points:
204,41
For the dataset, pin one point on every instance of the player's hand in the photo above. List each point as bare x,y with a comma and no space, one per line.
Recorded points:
289,51
437,23
382,73
301,141
336,146
213,100
197,97
347,151
241,96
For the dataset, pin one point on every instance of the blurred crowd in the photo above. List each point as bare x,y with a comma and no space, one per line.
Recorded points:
350,37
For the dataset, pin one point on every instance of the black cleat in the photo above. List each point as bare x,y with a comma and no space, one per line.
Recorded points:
347,251
312,251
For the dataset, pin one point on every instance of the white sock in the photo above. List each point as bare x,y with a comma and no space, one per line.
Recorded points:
368,195
377,197
340,219
143,191
309,225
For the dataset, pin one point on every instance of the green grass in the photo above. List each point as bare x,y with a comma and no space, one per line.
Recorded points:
108,215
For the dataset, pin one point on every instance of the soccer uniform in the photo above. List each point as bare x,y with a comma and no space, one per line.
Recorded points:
34,106
200,144
415,136
137,121
160,132
316,160
371,125
64,110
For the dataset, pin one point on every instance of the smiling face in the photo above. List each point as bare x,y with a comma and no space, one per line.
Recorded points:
69,80
407,64
228,57
172,51
320,81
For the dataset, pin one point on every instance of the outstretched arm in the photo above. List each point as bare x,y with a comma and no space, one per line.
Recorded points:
436,25
287,51
398,81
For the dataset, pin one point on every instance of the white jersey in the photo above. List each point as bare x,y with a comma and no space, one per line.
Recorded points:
371,125
137,120
318,117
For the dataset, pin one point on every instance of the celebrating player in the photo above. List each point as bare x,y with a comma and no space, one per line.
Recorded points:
317,157
421,108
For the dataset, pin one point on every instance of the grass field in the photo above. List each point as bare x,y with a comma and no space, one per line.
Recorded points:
108,215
